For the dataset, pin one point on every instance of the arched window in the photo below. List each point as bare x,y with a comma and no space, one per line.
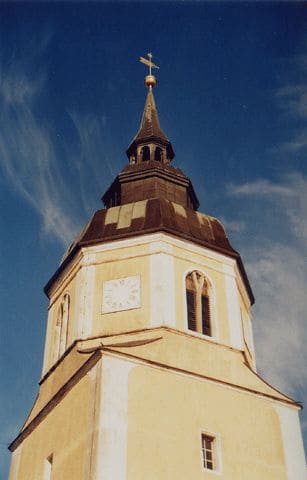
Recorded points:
158,154
57,333
198,305
61,329
145,154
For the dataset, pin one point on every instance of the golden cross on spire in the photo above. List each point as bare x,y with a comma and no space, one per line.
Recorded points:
150,80
148,62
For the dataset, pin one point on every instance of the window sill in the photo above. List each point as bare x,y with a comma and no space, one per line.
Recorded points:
212,472
202,335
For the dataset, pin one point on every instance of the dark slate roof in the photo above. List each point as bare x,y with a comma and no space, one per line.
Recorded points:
150,125
150,216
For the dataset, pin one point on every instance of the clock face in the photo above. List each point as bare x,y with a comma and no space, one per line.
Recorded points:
121,294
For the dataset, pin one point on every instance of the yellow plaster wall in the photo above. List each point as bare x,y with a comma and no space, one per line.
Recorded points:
168,412
197,355
136,318
109,265
66,432
65,370
127,260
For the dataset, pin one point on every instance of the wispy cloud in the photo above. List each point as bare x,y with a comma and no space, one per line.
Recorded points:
233,226
17,89
292,100
28,158
304,425
32,156
298,142
92,163
278,274
260,187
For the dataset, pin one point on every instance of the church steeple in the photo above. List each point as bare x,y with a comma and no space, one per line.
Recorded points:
151,304
149,173
150,142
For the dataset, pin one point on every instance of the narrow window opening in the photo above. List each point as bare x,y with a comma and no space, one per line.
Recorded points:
158,154
208,446
64,326
145,154
198,303
61,329
206,327
57,333
191,310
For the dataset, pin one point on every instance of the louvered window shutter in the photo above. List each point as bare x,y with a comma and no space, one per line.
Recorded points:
205,315
191,310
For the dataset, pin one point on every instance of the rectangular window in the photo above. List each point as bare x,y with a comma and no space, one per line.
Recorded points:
208,451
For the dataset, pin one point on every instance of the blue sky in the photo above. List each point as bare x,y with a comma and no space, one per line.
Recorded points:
232,98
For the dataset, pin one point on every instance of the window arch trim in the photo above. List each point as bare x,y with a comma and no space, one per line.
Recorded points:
211,295
62,325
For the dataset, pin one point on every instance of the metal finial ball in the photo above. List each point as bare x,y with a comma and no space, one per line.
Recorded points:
150,81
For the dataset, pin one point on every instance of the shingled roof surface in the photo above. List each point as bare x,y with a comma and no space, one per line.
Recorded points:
150,125
151,216
154,215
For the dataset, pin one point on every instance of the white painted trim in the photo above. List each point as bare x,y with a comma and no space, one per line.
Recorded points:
217,452
158,238
48,464
249,316
292,442
248,335
233,310
162,290
78,303
187,245
165,247
111,447
15,463
95,381
65,324
48,344
86,294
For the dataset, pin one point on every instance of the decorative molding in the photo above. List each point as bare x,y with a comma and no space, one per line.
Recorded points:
162,290
111,442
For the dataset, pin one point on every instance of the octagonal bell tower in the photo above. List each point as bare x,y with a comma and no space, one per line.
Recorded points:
149,367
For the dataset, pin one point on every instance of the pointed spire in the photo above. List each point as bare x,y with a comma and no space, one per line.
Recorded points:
149,174
150,125
150,142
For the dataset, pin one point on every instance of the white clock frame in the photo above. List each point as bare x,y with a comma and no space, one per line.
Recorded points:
121,294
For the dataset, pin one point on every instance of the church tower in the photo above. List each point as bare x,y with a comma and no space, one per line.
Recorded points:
149,367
